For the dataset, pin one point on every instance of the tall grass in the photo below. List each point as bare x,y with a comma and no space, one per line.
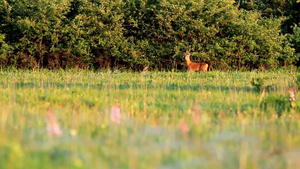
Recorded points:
236,130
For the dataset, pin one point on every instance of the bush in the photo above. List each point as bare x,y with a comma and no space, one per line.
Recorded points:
139,33
5,50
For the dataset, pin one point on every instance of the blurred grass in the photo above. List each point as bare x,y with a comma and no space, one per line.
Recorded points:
235,130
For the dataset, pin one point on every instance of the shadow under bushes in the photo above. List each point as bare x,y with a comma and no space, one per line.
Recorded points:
126,86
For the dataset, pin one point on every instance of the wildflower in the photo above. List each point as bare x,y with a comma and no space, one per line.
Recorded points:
292,94
197,118
184,127
115,114
196,113
52,124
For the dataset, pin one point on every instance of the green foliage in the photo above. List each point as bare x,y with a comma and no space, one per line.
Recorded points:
276,102
298,82
5,50
139,33
296,40
279,105
257,84
35,33
96,32
287,9
262,84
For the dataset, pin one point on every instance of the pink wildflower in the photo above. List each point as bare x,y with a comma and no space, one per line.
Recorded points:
197,118
292,94
221,114
196,113
52,124
115,114
184,127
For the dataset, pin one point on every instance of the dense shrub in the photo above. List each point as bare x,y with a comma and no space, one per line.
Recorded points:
296,42
139,33
4,50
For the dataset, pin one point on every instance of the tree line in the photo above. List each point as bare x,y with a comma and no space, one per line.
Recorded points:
133,34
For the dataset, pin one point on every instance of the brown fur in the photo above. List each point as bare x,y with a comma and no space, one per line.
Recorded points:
195,66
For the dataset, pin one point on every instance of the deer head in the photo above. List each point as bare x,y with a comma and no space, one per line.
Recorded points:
187,55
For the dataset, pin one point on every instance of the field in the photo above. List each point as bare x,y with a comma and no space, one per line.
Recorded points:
169,120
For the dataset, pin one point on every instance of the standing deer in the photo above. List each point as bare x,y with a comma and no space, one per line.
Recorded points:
195,66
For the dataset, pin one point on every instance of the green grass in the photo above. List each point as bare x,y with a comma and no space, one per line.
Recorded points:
255,131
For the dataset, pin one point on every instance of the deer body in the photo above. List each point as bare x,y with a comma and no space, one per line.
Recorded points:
195,66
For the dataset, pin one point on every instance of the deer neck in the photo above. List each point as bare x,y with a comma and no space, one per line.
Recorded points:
188,61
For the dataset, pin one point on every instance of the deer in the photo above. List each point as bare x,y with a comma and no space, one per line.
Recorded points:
195,66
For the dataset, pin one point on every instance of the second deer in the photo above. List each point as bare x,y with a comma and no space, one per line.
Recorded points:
195,66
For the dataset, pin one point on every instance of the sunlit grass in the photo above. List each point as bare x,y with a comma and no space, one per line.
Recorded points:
235,129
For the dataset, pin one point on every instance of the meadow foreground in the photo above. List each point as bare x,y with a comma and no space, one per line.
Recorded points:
85,119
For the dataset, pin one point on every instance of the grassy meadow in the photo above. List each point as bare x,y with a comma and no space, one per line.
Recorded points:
238,124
